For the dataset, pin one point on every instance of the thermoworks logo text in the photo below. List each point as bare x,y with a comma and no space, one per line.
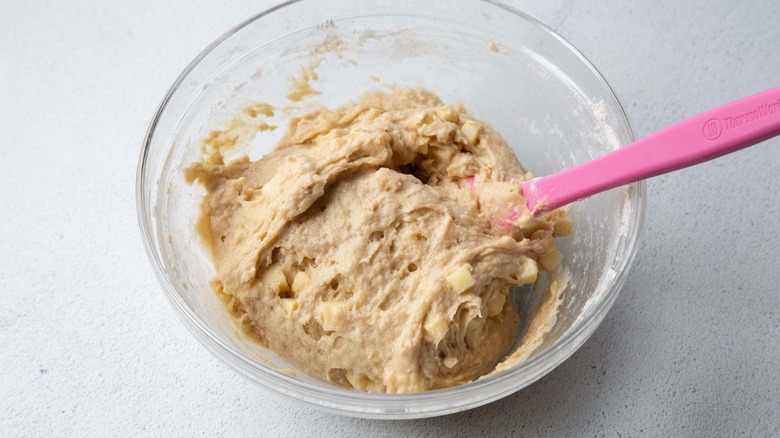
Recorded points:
713,128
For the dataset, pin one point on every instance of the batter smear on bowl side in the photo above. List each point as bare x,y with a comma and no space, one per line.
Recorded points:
376,245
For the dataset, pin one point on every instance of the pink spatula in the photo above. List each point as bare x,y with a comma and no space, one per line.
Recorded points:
701,138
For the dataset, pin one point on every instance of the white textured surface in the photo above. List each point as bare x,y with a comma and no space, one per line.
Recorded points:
89,346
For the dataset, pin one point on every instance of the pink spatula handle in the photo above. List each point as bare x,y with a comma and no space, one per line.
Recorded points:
709,135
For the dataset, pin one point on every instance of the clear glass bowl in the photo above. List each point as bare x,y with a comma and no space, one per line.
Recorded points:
547,100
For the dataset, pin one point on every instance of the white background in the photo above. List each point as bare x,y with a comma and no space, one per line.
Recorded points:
89,345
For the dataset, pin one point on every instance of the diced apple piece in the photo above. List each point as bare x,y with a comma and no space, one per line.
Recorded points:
275,277
551,260
330,313
436,328
289,305
495,305
354,380
471,130
563,226
300,281
447,114
461,280
529,273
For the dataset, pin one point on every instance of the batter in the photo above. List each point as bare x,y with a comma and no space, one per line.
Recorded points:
375,247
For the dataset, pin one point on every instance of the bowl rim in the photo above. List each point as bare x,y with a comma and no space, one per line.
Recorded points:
358,404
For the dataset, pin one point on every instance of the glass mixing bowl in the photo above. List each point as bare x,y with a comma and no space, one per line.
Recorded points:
548,101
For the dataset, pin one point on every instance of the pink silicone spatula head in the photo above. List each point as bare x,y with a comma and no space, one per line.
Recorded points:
701,138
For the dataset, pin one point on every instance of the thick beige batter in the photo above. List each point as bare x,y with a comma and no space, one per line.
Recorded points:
376,245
